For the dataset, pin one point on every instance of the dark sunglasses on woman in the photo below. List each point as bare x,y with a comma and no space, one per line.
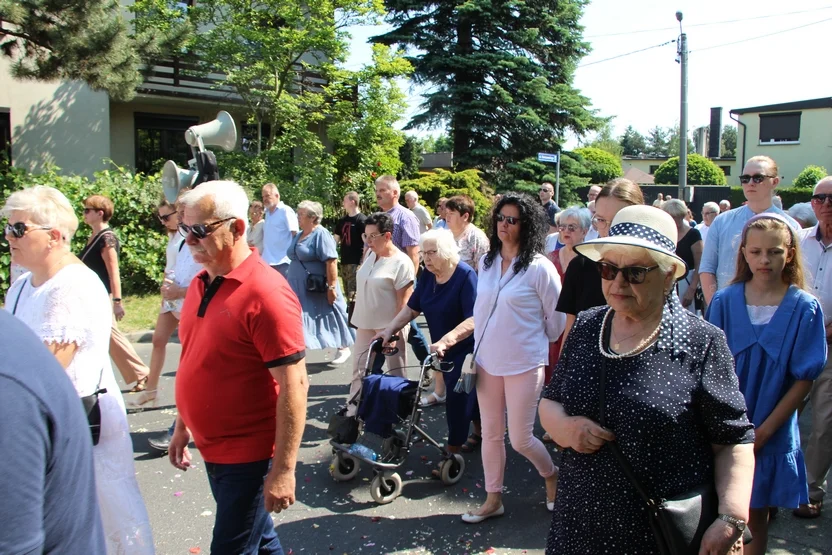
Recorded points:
631,274
165,217
759,178
19,229
201,231
510,219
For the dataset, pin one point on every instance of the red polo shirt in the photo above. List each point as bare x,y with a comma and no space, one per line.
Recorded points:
233,330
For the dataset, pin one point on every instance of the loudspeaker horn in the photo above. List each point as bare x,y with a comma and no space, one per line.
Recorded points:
219,132
174,179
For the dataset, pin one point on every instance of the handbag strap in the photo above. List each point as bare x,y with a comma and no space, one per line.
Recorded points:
295,250
490,314
97,238
19,293
613,445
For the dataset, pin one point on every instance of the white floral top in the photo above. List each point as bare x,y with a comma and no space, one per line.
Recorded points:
473,244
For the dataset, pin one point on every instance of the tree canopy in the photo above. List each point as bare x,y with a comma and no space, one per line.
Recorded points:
729,141
87,40
601,166
632,142
500,74
701,171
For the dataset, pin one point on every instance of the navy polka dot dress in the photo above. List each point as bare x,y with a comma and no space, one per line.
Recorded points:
666,406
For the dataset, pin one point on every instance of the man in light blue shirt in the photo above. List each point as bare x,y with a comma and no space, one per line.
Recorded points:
719,257
280,227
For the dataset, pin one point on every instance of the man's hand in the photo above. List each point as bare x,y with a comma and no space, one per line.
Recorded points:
279,490
178,452
720,538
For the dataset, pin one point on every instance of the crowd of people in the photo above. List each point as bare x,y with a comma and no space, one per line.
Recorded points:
661,356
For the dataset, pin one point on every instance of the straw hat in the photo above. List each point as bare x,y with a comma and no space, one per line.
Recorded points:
640,226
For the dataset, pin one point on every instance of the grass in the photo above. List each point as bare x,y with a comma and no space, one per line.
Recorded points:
140,313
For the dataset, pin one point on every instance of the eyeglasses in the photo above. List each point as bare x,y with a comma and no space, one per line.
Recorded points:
632,274
710,213
510,219
571,228
551,192
759,178
600,222
821,198
164,217
371,238
201,231
19,229
426,254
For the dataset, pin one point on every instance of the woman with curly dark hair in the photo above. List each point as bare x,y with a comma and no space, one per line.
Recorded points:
514,321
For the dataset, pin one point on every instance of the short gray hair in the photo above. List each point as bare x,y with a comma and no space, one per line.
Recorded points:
710,205
677,209
803,211
391,181
45,206
446,247
412,194
314,209
583,215
230,200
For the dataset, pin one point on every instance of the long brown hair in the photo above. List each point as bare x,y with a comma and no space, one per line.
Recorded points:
793,272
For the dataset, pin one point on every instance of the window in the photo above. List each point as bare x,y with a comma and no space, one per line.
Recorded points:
161,137
5,139
248,137
726,170
653,169
780,128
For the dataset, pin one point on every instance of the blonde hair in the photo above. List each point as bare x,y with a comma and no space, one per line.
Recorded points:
793,273
45,206
622,189
767,160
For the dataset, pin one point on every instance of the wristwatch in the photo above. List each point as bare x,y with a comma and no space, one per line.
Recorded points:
116,299
737,523
331,287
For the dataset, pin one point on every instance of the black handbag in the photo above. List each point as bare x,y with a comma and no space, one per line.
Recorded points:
343,428
678,524
315,283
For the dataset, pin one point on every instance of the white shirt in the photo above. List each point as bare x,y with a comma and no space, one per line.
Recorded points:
703,230
174,243
551,242
378,281
516,338
817,260
277,234
422,215
255,236
591,234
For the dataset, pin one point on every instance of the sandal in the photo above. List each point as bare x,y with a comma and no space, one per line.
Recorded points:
140,385
432,399
471,444
809,510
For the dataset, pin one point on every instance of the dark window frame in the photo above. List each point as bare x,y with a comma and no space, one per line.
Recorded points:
726,170
653,168
780,128
166,135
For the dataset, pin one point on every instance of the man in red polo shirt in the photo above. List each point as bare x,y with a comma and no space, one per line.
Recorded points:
241,385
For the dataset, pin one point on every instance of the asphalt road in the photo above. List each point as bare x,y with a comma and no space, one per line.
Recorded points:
333,517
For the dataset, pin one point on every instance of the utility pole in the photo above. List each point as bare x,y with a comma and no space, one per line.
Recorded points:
683,117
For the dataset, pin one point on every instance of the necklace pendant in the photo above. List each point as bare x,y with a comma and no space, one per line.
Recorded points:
616,346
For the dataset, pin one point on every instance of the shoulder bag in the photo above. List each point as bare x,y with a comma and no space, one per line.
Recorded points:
315,283
90,402
96,239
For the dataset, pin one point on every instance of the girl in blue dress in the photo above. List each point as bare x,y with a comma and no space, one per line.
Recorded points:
776,334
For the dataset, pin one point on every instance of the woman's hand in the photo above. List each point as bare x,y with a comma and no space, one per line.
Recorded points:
331,296
720,538
439,348
688,297
585,435
384,335
118,310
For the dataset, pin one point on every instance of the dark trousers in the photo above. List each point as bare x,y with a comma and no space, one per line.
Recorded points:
417,340
457,405
242,525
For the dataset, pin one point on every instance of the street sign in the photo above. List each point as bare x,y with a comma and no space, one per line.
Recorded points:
547,157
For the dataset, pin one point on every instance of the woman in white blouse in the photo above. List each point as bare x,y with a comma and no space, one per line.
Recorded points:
514,321
384,283
66,305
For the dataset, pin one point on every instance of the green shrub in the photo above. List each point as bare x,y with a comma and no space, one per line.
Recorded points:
810,176
789,195
701,171
142,260
601,165
432,186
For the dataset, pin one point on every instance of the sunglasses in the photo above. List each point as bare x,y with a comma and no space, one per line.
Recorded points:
88,210
821,198
571,228
510,219
547,191
164,217
632,274
759,178
201,231
19,229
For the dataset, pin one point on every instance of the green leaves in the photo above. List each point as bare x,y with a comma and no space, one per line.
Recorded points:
701,171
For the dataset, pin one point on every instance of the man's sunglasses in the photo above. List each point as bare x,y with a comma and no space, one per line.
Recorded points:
631,274
821,198
510,219
164,217
759,178
19,229
201,231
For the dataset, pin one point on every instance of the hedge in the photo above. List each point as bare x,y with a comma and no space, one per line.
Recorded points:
432,186
143,241
789,195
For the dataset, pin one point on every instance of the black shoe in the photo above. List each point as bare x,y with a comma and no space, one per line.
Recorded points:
160,443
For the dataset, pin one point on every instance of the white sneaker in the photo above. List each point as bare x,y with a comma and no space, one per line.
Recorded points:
341,356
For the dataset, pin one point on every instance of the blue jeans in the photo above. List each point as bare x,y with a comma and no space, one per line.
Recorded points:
242,525
417,340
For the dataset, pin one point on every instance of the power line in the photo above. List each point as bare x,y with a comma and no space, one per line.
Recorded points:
709,24
765,36
628,53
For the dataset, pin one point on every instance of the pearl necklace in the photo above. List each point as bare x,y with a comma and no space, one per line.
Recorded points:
638,348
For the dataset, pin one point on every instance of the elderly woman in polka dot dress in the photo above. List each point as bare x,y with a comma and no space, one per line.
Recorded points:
672,402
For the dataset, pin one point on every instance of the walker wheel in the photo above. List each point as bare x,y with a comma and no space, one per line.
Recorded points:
343,467
451,470
385,487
